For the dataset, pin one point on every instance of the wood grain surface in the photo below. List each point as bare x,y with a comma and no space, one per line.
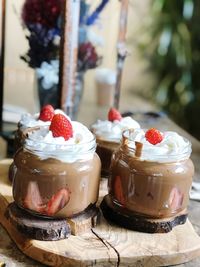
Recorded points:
104,245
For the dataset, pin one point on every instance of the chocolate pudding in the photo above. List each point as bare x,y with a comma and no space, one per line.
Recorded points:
108,135
57,178
155,181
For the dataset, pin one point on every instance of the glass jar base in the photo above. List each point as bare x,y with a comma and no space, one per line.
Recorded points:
46,217
138,222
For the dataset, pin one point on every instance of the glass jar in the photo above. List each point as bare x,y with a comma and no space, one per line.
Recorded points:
154,188
60,181
108,135
105,150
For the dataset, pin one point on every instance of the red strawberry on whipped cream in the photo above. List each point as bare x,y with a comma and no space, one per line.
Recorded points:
111,129
63,140
46,113
159,146
39,119
154,136
114,115
61,126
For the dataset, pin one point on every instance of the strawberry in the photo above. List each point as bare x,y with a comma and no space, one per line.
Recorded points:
114,115
175,199
58,201
46,113
61,126
153,136
33,199
118,190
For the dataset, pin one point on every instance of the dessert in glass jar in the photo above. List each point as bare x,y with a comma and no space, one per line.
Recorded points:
151,174
108,135
57,170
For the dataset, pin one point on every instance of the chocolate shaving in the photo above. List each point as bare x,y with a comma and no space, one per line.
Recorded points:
29,130
124,141
138,149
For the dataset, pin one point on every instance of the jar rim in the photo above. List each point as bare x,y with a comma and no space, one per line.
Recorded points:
65,153
153,156
66,144
93,139
54,150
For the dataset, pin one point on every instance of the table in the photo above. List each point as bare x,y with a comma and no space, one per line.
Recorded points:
13,257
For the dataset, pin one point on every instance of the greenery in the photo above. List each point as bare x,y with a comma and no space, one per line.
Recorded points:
174,47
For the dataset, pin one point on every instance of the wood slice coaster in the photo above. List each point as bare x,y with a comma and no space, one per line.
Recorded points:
83,222
48,229
36,227
137,222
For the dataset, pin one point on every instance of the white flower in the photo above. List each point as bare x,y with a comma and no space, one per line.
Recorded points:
48,73
94,38
56,40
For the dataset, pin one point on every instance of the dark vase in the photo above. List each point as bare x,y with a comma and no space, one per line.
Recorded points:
47,96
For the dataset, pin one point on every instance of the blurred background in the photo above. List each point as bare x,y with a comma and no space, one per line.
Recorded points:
160,71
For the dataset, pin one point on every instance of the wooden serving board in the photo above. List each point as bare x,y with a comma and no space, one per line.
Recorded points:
105,245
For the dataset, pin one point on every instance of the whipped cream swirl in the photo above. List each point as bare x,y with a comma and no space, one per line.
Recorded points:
112,131
28,120
173,147
80,147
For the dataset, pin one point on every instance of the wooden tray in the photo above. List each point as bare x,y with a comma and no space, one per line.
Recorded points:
105,245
